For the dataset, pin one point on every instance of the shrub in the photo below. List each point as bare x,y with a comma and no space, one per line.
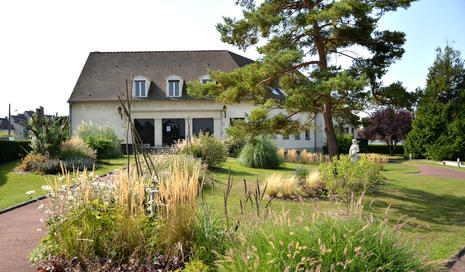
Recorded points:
383,149
13,150
313,183
321,243
34,162
205,147
280,186
47,134
261,153
292,156
342,176
76,148
234,145
282,154
97,219
103,139
378,160
313,158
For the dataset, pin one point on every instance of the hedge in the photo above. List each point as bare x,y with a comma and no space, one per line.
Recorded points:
382,149
13,150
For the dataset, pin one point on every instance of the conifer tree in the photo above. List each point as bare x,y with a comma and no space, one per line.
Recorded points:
296,40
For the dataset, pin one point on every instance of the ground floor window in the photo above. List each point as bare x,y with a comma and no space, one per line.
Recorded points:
203,124
146,130
173,130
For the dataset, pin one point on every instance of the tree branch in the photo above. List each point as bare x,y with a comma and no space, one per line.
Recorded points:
288,71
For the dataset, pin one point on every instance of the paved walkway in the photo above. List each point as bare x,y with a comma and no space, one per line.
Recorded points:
439,171
19,235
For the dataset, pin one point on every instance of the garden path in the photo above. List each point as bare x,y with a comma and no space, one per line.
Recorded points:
439,171
19,235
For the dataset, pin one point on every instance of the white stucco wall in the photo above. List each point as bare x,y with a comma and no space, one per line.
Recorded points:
106,113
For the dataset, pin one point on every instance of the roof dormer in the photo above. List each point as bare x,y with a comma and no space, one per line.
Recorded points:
140,87
174,86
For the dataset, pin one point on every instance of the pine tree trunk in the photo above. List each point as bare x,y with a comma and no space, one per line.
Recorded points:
329,130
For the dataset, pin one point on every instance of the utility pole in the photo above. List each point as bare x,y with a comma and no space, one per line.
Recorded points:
9,120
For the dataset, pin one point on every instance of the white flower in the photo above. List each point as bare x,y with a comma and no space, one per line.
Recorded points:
47,188
40,206
30,192
39,229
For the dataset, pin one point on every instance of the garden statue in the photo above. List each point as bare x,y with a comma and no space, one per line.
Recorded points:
353,151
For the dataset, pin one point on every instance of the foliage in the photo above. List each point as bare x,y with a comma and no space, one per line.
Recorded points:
321,243
383,149
387,125
378,160
292,156
298,40
205,147
211,234
195,266
301,172
47,134
98,219
103,139
179,189
76,148
343,177
34,162
313,184
13,150
234,146
278,185
439,126
343,142
313,158
261,153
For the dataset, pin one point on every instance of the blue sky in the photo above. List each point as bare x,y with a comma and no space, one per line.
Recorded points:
45,43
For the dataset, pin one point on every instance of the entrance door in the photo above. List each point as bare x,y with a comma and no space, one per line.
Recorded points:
173,130
145,129
203,124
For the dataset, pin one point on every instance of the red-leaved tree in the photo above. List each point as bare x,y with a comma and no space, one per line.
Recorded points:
387,125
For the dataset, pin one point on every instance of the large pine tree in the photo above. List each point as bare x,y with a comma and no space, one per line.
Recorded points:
438,131
299,38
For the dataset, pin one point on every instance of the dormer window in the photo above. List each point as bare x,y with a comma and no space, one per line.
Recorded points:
174,88
205,79
140,87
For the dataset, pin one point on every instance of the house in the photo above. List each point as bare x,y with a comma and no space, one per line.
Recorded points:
162,110
4,126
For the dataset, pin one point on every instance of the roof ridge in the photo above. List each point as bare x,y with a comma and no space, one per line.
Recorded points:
161,51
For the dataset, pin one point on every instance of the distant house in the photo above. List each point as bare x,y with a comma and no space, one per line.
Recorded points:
4,125
163,112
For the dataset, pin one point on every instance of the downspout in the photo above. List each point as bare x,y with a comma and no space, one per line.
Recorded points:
70,120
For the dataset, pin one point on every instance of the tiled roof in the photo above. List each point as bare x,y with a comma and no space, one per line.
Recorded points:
104,74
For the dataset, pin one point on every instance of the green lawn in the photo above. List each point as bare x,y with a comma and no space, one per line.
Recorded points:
437,202
13,186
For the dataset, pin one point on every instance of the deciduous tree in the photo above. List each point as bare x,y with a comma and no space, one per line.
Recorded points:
388,125
299,40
